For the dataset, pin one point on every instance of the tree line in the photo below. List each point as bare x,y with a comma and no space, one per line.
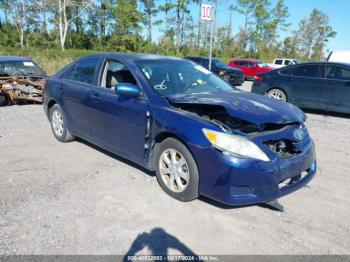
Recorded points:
130,26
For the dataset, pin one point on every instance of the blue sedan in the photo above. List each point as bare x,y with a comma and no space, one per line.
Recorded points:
199,134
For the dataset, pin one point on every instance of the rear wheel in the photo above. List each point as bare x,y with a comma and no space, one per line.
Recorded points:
176,170
3,100
59,124
277,94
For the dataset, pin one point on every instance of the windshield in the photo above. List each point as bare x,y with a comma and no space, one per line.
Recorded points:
296,61
19,68
219,63
171,77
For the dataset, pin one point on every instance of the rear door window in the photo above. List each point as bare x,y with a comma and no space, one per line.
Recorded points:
337,72
69,73
307,71
83,71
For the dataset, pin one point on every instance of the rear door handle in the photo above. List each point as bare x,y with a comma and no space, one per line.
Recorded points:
95,97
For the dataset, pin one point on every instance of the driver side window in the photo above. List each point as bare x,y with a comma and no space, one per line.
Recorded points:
114,73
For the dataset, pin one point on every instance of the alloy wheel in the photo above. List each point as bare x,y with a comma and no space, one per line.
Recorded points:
277,94
174,170
57,123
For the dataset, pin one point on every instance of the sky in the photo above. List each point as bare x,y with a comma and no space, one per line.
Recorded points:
337,10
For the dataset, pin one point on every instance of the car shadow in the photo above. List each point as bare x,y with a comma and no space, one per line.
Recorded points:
116,157
158,242
326,113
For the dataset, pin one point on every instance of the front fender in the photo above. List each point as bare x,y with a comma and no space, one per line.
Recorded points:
183,124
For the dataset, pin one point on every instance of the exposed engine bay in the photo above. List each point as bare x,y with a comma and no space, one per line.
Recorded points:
219,116
21,89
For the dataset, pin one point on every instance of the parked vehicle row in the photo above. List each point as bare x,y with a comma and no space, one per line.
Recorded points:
232,75
200,135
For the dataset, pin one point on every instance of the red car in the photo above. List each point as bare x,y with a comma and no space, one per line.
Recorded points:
250,67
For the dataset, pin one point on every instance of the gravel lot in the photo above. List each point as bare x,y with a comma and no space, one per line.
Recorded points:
76,199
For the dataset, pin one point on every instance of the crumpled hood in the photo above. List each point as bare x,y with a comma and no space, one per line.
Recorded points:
253,108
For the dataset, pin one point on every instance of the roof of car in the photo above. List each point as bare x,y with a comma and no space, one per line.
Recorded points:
14,58
130,56
321,62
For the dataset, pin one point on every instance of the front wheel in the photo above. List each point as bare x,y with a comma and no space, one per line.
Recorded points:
176,169
59,124
277,94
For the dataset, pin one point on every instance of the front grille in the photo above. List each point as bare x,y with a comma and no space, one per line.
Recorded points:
285,148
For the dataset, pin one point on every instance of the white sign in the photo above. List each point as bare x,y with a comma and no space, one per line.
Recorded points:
207,12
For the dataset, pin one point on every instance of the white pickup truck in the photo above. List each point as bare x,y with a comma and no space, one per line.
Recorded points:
281,62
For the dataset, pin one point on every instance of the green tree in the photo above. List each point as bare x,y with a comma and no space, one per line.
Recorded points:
290,46
150,10
247,9
314,32
126,35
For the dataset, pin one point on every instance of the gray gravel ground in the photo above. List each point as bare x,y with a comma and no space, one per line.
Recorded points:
75,199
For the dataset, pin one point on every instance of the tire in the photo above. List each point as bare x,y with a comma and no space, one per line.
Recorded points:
185,182
3,100
277,94
59,124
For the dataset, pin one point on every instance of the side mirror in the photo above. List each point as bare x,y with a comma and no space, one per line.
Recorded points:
126,89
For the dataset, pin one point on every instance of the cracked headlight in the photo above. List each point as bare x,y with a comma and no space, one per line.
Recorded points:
235,144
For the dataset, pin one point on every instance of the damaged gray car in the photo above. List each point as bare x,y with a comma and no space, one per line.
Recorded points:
21,80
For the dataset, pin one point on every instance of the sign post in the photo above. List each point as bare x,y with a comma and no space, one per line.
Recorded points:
207,13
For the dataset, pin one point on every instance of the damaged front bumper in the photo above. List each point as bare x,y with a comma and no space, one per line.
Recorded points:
241,181
22,89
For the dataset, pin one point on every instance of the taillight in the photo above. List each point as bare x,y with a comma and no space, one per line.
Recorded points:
258,78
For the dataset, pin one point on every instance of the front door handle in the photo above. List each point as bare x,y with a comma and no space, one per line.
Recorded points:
60,86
